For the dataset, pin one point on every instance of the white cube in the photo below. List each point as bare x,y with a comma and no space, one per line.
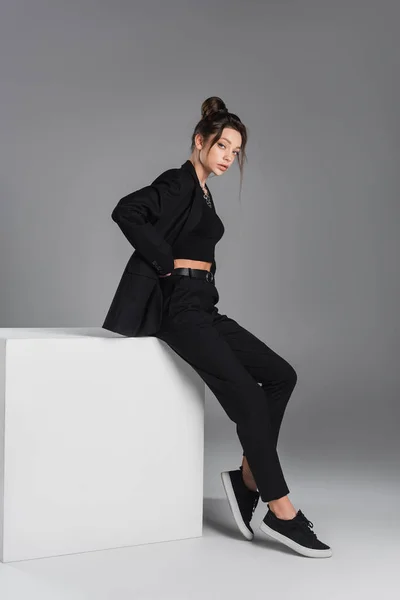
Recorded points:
101,442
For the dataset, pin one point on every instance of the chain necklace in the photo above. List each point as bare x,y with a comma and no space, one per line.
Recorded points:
206,196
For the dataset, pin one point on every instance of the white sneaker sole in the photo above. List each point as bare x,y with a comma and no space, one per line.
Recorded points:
294,545
226,480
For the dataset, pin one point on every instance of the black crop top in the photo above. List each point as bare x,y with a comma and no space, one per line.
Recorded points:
200,242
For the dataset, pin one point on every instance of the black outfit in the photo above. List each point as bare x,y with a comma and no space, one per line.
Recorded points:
199,243
152,219
230,360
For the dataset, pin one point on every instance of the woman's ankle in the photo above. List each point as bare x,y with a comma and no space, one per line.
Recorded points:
282,508
250,485
249,482
247,476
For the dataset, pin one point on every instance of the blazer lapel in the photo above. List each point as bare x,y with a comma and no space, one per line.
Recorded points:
196,209
197,203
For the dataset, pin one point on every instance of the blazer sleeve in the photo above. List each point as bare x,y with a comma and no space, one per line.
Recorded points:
137,212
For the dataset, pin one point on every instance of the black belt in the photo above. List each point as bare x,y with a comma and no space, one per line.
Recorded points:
199,273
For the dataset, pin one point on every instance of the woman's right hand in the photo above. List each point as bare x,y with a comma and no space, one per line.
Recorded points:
168,274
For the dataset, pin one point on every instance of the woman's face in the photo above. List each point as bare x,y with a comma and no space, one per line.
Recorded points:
223,152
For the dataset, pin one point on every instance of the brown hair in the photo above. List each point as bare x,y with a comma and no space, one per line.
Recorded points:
214,118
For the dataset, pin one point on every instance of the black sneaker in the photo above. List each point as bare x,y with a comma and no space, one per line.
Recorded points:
242,500
295,533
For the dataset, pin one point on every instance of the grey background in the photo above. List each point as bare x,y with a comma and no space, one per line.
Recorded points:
99,97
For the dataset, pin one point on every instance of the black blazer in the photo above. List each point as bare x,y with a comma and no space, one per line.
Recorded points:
152,219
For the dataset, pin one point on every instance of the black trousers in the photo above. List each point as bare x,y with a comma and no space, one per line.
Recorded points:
252,382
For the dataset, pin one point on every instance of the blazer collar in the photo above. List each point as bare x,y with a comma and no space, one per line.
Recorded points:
188,166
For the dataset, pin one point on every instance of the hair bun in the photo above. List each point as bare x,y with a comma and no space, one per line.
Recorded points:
212,106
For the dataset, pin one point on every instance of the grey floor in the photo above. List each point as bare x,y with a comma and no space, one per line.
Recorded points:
356,515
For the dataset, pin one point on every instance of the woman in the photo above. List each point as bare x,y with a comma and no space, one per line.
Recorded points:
231,360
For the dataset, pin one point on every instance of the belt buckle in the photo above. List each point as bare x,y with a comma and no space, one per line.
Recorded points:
209,277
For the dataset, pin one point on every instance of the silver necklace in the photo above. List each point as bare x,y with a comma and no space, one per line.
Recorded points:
206,196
